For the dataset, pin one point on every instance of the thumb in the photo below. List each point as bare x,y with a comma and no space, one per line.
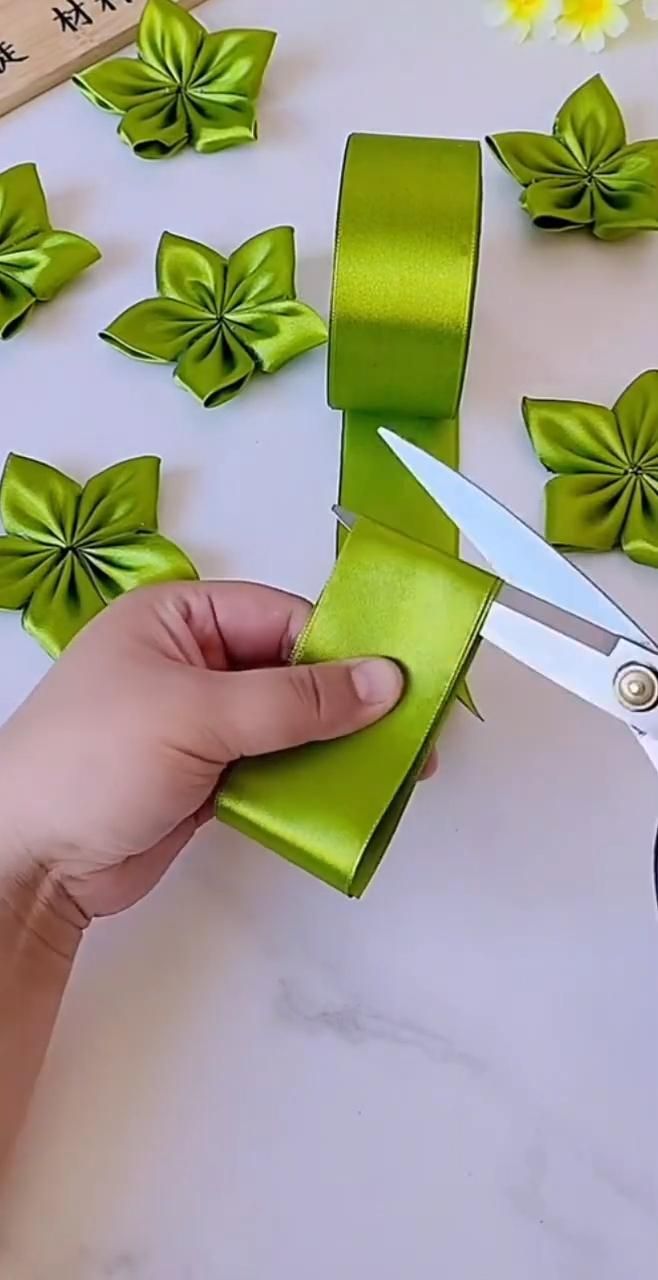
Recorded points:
270,710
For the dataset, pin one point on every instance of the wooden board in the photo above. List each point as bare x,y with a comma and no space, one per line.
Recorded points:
43,42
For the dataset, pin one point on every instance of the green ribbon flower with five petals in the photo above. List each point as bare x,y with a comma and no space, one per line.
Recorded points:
35,260
186,85
585,174
69,550
219,320
605,490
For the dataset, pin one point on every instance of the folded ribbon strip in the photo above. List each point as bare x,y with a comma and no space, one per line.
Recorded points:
405,268
332,807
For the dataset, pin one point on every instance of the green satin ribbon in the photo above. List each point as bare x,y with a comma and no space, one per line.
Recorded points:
186,85
585,174
36,261
405,268
333,807
220,320
605,490
69,550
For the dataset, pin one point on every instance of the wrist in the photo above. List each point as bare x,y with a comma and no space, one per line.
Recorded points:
41,908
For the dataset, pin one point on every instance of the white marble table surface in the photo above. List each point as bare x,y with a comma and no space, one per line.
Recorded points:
254,1079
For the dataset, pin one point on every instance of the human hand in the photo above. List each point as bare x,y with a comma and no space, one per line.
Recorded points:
111,765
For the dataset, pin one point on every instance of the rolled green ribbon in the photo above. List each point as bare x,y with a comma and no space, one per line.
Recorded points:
332,807
404,278
407,245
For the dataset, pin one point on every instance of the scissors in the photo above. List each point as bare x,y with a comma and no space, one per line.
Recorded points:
549,615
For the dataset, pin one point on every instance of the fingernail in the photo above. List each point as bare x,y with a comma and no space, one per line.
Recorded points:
378,681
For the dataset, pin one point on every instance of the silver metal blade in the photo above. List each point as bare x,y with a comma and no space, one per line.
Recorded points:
587,671
515,552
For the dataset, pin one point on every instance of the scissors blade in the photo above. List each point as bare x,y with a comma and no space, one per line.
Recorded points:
514,551
586,668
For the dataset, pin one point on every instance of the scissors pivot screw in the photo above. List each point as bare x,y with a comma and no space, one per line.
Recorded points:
637,688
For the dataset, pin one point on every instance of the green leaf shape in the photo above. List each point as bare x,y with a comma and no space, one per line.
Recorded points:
127,562
23,565
36,261
232,63
170,39
157,330
23,209
262,270
591,124
68,550
187,85
215,368
531,156
156,128
214,127
48,263
277,332
62,604
190,272
121,83
16,302
584,175
219,320
123,499
37,501
604,493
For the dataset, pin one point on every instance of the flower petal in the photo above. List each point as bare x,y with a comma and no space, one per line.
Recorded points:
119,500
519,29
156,329
136,560
568,31
49,261
495,13
64,602
639,538
623,206
232,62
554,204
121,83
190,272
571,437
636,412
170,39
218,123
215,368
593,39
37,501
157,127
23,210
638,160
529,156
262,270
615,23
586,512
591,124
23,565
16,302
277,332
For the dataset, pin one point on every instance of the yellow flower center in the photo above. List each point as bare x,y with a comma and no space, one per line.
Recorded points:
589,11
528,9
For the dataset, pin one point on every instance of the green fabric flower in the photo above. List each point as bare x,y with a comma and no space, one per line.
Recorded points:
605,492
69,550
220,320
585,174
186,85
35,260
